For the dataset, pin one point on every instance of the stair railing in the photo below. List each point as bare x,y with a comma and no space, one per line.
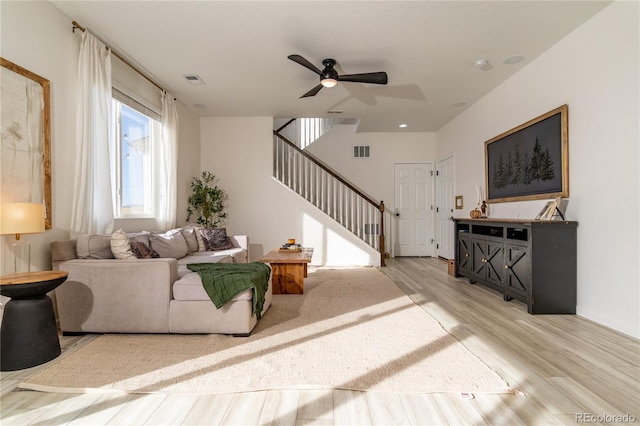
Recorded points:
304,131
330,192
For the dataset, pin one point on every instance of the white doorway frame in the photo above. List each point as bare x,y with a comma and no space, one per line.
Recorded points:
445,210
427,249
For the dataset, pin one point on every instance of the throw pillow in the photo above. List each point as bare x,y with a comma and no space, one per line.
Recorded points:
216,239
201,246
94,246
120,245
191,237
170,244
143,251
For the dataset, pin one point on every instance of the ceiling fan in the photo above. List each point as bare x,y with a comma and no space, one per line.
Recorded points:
329,76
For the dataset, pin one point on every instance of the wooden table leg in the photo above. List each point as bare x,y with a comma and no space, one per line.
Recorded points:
287,278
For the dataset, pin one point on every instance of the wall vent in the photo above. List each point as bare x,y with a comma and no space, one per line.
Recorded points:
361,151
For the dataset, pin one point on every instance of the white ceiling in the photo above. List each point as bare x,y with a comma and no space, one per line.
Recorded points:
240,49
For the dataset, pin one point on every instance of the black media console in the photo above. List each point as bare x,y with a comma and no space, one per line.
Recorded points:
528,260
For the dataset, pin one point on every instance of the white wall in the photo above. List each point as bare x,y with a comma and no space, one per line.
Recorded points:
188,159
375,175
38,37
238,150
595,71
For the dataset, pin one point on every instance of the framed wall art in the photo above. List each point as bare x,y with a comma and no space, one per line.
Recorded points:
25,137
459,202
531,161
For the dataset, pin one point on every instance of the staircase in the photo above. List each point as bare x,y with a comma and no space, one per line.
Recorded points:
302,132
324,188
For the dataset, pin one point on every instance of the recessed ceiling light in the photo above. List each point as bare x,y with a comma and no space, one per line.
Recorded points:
402,126
200,106
513,59
459,104
482,64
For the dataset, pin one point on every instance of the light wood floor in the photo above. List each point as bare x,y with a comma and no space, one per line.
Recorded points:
565,366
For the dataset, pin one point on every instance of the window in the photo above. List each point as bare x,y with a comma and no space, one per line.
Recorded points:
136,136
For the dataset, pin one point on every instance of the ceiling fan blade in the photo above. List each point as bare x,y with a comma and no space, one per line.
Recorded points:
312,92
302,61
369,77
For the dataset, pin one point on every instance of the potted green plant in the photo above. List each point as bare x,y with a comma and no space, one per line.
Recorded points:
206,202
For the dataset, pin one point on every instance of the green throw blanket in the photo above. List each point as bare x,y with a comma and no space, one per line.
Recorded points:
222,281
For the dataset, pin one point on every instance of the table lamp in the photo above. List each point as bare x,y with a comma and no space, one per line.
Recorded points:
21,218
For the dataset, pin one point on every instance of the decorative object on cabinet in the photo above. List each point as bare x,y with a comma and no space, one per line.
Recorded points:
560,208
553,209
531,161
26,149
475,213
534,262
544,211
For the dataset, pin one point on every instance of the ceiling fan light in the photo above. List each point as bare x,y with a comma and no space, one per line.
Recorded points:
328,82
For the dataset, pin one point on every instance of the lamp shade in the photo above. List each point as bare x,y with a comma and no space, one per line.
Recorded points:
21,218
329,82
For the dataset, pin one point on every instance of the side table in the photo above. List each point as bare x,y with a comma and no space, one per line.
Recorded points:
29,334
288,269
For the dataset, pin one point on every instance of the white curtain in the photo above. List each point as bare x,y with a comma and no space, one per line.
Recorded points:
93,198
168,163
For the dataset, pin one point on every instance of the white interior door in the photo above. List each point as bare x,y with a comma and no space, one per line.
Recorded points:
444,208
413,209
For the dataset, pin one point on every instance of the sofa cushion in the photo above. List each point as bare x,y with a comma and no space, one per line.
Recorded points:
169,244
98,246
94,246
201,257
239,255
216,239
190,287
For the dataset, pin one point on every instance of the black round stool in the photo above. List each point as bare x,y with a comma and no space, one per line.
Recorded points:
29,334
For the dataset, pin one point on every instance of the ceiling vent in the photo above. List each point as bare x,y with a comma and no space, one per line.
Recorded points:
193,79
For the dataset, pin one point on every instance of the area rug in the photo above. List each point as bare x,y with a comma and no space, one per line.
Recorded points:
351,329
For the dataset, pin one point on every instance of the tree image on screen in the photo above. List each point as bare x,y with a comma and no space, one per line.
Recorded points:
525,168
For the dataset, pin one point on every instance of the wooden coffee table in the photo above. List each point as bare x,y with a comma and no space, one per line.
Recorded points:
288,269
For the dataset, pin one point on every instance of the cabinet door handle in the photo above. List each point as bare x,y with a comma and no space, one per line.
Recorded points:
507,267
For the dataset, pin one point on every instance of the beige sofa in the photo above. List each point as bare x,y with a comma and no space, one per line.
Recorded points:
157,295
